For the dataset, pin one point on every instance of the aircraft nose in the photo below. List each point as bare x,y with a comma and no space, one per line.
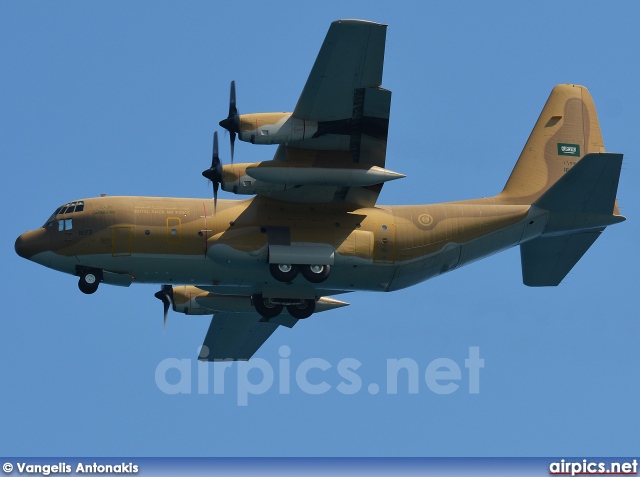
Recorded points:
31,243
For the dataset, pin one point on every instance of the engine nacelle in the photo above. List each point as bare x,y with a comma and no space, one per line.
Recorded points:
235,179
272,176
275,128
192,300
184,300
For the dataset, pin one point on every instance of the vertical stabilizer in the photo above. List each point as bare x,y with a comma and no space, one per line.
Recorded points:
566,130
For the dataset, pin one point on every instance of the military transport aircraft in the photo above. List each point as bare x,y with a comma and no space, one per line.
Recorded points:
311,228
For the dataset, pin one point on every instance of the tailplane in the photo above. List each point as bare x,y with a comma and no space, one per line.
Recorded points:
578,208
547,260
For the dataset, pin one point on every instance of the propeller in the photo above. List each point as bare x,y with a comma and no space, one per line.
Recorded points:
165,295
232,122
214,173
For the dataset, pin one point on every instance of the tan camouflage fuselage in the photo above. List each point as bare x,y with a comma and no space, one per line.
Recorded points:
378,248
181,241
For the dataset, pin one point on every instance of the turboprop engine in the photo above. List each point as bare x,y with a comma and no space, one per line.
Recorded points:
274,128
192,300
265,128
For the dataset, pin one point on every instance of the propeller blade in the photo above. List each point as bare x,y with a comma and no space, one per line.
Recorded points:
232,122
164,322
233,111
214,173
233,140
165,295
215,197
214,156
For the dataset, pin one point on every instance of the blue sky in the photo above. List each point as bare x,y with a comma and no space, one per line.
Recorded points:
122,97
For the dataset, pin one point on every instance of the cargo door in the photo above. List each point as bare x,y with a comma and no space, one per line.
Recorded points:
121,241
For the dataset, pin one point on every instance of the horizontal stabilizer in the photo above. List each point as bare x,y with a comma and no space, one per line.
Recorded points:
589,187
547,260
580,204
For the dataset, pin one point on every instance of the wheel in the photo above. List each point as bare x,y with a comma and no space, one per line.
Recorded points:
316,273
283,272
265,306
88,283
302,310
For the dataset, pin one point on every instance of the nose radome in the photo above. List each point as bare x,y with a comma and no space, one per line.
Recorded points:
31,243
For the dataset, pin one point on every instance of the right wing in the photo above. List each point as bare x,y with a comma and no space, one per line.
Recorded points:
237,336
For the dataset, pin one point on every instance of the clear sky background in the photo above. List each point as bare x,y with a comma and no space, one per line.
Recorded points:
122,98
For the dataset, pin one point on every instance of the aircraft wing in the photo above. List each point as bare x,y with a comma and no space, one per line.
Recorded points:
237,336
351,58
343,95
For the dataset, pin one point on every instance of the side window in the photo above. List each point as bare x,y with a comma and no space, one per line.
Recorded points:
65,224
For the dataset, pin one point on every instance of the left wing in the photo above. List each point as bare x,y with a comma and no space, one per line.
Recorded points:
332,148
346,75
237,336
343,96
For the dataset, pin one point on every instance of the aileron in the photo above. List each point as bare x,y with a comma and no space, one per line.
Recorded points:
351,57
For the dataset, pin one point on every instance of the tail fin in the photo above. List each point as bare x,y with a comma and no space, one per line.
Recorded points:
566,130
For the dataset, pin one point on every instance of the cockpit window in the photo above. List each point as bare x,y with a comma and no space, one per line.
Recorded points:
76,206
53,216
